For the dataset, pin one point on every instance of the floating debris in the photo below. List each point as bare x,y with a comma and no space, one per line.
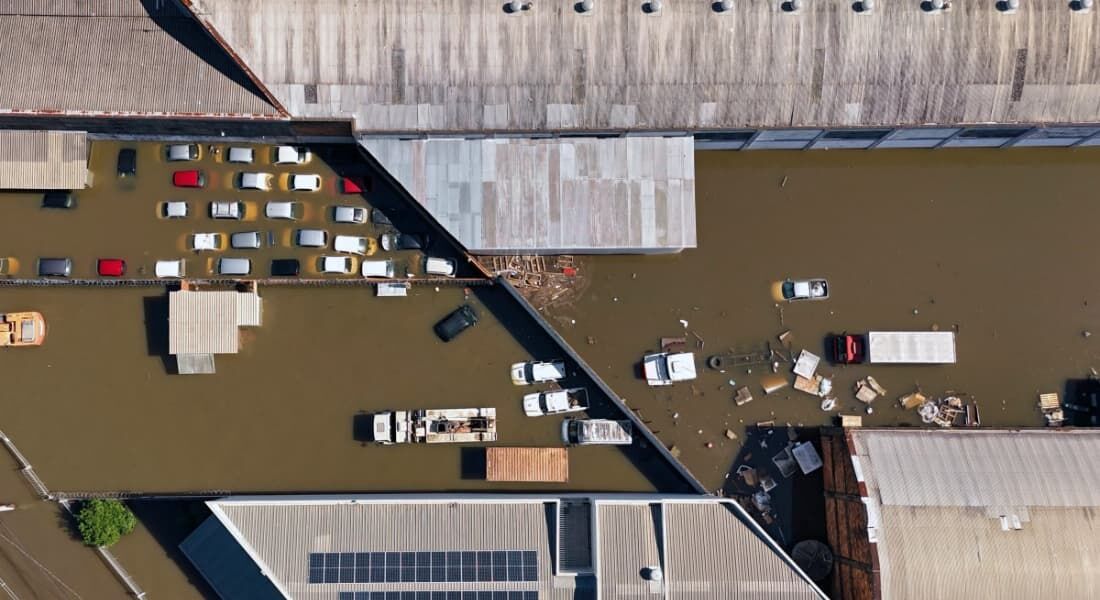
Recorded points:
851,420
949,411
773,383
748,475
828,404
806,365
742,397
912,400
730,434
867,390
1051,408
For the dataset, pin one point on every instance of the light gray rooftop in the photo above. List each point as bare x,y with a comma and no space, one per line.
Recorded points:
421,65
116,57
43,160
559,195
280,533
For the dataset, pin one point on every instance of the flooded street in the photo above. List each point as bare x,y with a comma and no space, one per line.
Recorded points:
997,244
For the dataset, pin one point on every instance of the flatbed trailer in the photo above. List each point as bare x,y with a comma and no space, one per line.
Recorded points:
896,347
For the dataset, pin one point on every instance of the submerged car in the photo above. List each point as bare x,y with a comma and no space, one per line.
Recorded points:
207,241
254,181
290,155
110,267
55,267
455,323
170,269
58,199
227,210
526,373
283,210
378,268
234,266
555,402
311,238
589,432
444,267
238,154
175,209
192,178
127,162
337,265
379,218
805,289
182,152
285,267
304,183
404,241
354,244
246,240
349,214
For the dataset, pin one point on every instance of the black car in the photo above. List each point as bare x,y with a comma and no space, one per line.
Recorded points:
55,267
127,162
285,267
58,200
379,218
455,323
404,241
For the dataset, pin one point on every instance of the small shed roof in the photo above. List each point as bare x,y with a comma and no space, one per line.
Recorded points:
206,322
527,464
43,160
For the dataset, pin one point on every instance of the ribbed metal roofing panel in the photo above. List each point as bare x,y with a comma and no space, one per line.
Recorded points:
43,160
203,322
121,61
629,544
712,554
527,464
981,468
88,8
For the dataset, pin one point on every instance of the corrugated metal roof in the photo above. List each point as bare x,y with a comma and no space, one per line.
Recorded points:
432,65
122,60
629,543
981,468
712,554
203,322
527,464
938,498
519,195
43,160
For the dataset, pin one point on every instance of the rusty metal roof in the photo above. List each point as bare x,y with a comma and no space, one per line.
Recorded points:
117,57
43,160
527,464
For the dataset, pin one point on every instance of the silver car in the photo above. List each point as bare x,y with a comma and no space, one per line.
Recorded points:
234,266
246,240
241,155
181,152
349,214
283,210
312,238
254,181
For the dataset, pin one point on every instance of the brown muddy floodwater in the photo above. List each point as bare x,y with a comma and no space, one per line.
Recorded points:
996,243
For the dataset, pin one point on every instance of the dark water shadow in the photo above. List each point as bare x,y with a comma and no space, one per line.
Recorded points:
361,428
191,35
170,522
1081,402
473,461
67,522
797,502
156,330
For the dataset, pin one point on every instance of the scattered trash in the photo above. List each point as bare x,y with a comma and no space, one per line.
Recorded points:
742,397
810,386
807,457
709,444
768,483
828,404
785,336
730,434
949,411
763,424
773,383
785,462
762,501
912,400
684,323
870,410
806,364
671,343
1051,408
867,390
850,420
674,451
748,475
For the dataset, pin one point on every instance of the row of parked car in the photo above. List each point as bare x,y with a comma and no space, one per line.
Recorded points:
280,155
283,210
235,266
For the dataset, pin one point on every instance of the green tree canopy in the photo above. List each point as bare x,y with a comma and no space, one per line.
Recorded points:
103,522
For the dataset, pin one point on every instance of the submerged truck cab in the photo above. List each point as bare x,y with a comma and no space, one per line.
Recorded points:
391,427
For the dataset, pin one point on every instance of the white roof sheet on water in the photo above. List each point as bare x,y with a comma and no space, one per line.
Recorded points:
912,347
710,551
43,160
207,322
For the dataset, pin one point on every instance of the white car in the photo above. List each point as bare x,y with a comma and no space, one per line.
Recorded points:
340,265
349,214
234,266
526,373
439,266
254,181
283,210
304,183
241,155
207,241
289,155
182,152
353,244
378,268
311,238
555,402
170,269
247,240
175,210
227,210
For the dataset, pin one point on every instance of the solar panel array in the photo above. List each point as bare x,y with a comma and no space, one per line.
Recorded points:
497,595
423,567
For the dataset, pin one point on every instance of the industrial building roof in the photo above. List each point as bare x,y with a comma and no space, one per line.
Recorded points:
425,65
207,322
117,57
320,547
552,195
991,514
43,160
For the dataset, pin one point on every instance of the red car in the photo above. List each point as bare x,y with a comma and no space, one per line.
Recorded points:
353,185
111,267
192,178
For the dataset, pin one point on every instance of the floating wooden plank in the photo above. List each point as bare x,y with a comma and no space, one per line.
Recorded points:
527,464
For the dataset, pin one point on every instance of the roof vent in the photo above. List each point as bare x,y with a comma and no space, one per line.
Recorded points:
722,6
653,574
791,6
935,6
651,7
1008,6
584,6
863,7
514,7
1081,5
